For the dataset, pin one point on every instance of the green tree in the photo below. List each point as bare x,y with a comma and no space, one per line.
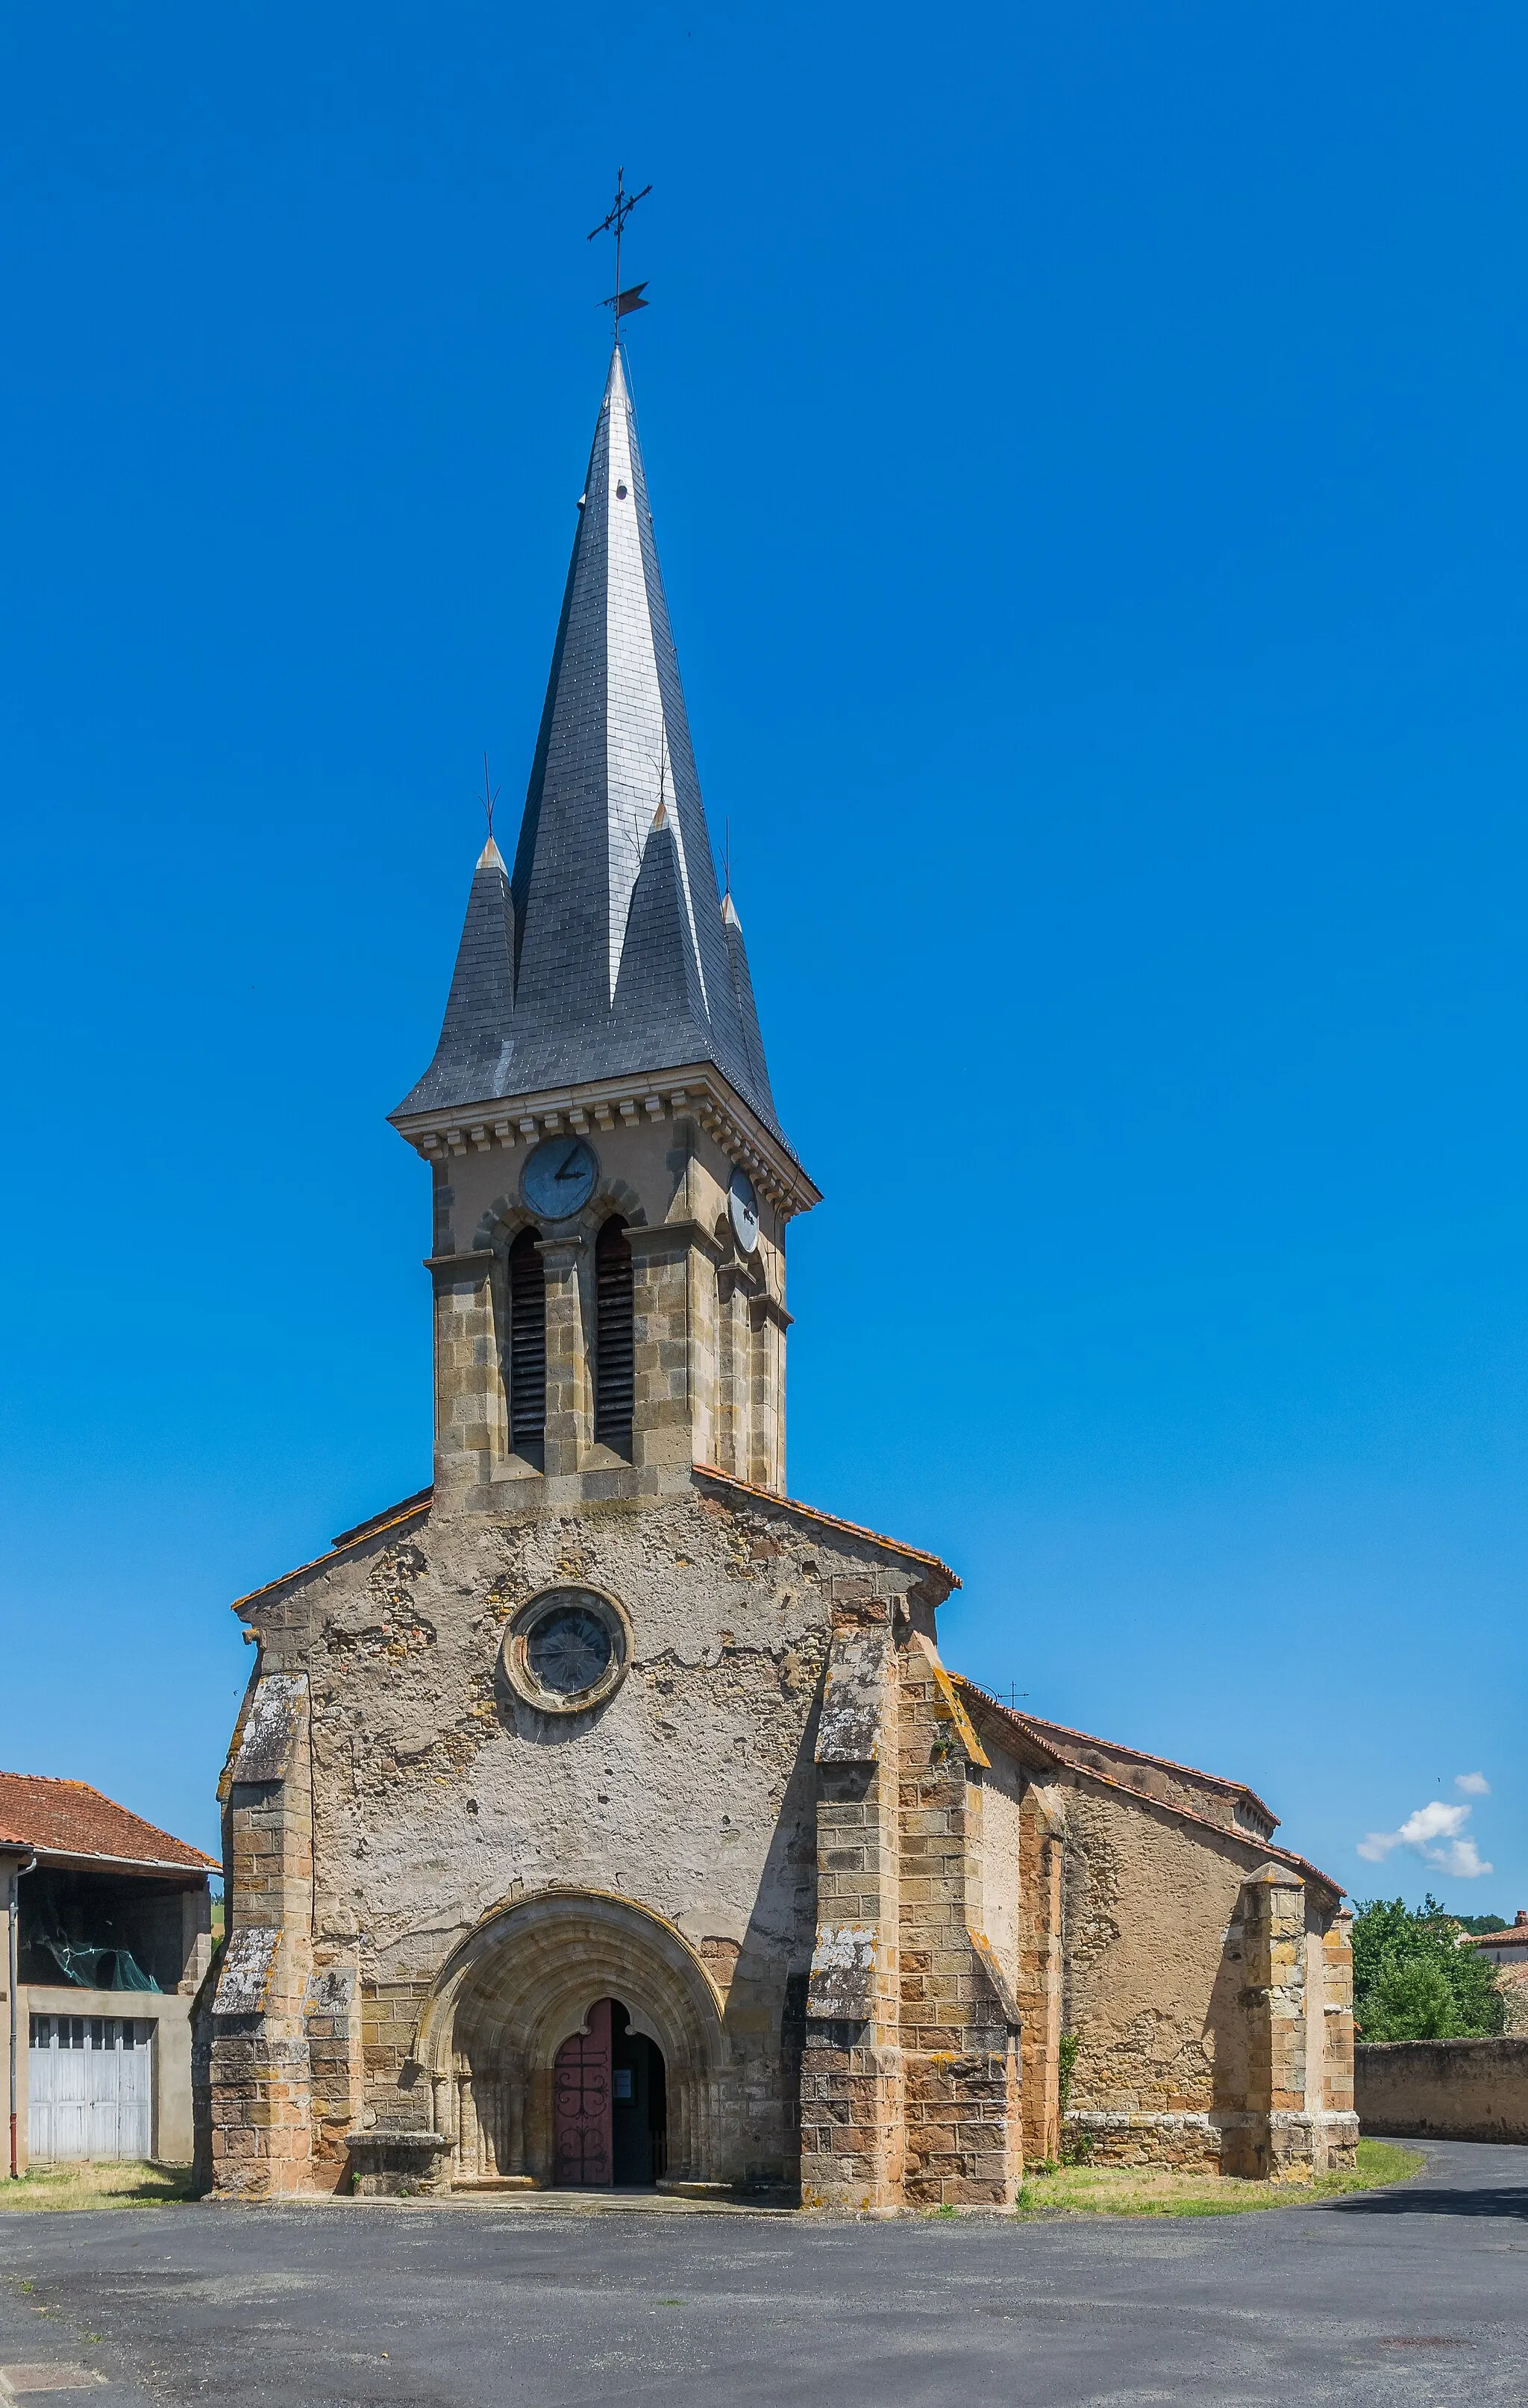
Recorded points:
1411,1981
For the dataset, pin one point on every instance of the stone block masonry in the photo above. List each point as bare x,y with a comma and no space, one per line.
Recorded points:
1444,2089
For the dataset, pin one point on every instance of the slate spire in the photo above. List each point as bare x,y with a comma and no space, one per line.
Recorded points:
471,1061
607,952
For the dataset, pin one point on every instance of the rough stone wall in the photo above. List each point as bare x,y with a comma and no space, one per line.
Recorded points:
259,2105
1333,2009
1147,2045
963,2140
1195,1978
471,1427
437,1793
1003,1787
1268,2134
662,1352
1446,2089
333,2022
851,2096
1040,1970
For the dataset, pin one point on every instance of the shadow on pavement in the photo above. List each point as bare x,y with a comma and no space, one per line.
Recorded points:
1411,2199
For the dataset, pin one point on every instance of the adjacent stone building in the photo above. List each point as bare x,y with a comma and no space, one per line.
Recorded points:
602,1814
106,1939
1507,1953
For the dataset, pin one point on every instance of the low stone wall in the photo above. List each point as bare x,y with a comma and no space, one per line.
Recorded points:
1452,2089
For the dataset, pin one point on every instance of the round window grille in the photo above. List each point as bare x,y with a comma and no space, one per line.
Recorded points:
568,1649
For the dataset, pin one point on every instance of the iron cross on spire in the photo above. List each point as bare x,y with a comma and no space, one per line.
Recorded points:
614,221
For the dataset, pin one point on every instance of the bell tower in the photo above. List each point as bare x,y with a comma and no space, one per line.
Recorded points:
611,1182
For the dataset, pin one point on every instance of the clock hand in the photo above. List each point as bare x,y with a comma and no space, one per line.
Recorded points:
572,1156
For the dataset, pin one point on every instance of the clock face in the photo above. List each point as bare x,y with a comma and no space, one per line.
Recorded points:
743,1205
559,1178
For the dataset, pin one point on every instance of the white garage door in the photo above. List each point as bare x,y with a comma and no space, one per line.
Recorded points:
90,2091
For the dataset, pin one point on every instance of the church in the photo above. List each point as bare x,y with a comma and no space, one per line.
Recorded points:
604,1816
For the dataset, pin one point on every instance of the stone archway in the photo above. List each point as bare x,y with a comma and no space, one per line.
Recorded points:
524,1982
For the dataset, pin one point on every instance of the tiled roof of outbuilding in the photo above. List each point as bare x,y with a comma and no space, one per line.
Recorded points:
608,952
1515,1936
68,1818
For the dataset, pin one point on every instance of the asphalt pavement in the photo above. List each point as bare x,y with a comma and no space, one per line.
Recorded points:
1414,2294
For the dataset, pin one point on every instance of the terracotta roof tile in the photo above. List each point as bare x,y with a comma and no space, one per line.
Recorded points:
1063,1736
68,1818
409,1510
415,1504
1254,1839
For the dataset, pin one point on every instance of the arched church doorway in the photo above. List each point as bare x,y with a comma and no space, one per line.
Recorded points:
609,2104
566,1965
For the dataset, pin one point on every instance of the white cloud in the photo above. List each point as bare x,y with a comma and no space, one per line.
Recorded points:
1464,1860
1473,1785
1423,1831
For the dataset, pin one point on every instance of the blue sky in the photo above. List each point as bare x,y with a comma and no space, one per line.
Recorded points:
1086,450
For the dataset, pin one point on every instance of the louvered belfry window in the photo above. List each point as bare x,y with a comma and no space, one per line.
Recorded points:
615,1378
527,1348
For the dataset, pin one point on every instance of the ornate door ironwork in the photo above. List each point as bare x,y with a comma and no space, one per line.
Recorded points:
581,2104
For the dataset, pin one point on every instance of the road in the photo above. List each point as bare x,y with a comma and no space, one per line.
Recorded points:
1420,2293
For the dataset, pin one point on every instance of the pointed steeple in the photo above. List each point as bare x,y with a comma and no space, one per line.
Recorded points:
474,1060
742,980
622,962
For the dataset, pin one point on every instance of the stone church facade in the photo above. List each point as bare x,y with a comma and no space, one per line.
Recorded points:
602,1814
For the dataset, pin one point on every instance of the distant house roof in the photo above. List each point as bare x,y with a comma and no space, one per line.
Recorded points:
1515,1936
69,1819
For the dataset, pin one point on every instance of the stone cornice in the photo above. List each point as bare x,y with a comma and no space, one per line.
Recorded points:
652,1237
696,1089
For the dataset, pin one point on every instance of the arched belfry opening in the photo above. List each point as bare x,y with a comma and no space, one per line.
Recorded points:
615,1335
575,2039
527,1363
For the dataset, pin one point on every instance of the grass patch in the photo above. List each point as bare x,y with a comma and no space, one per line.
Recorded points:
1141,2190
85,2185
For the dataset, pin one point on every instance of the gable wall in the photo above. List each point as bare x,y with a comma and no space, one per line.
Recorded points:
438,1792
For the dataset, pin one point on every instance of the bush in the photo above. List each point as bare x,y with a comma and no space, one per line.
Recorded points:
1075,2147
1412,1981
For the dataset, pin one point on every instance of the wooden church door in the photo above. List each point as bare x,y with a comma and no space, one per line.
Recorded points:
581,2103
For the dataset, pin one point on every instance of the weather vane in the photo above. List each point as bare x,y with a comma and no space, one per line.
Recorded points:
491,795
614,221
